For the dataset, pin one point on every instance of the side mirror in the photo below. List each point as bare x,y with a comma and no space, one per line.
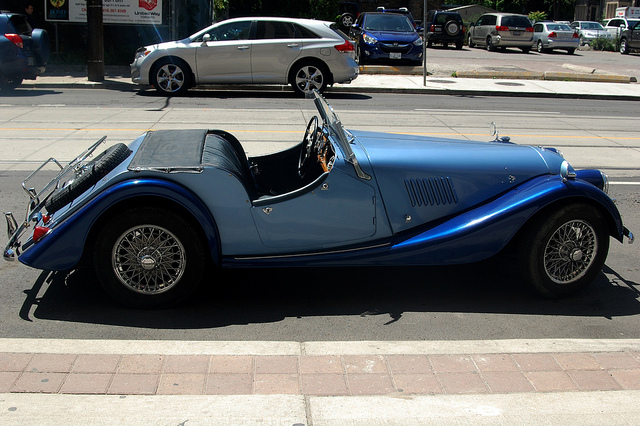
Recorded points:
206,38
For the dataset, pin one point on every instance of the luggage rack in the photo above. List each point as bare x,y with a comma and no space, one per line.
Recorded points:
36,204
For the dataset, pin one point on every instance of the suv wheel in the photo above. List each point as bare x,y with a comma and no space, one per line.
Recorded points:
490,46
624,48
452,28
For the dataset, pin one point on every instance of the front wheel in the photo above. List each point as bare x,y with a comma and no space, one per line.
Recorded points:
563,252
309,76
171,77
149,257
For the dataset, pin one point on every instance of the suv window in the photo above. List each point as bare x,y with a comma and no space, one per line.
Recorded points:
20,24
274,30
488,20
230,31
443,18
516,21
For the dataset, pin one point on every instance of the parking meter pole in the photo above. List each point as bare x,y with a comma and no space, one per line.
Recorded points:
95,62
424,44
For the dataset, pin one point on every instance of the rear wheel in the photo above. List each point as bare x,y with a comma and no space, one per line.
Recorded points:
490,46
471,43
562,252
149,257
308,76
570,51
624,47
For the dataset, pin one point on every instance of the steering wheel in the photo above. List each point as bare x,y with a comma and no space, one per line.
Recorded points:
308,143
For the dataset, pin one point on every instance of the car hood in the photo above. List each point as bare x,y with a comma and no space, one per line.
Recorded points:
400,37
423,179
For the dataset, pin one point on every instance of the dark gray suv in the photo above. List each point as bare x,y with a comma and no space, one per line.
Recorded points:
24,51
444,27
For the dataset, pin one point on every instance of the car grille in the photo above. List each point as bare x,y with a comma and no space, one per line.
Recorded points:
430,192
394,47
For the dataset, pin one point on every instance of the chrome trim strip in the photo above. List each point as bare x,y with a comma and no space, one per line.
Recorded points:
287,256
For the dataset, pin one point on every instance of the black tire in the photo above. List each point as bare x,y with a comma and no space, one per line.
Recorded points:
570,51
306,76
562,252
539,47
346,20
458,45
360,57
149,257
471,43
9,84
171,76
95,170
41,46
624,47
525,49
490,46
452,28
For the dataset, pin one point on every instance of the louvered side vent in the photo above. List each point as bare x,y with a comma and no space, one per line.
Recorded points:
431,192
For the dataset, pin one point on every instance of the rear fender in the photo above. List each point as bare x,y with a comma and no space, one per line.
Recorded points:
63,248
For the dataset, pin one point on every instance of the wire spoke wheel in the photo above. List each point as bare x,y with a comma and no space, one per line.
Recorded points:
570,252
148,259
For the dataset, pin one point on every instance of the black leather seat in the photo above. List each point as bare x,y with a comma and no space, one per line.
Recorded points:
225,152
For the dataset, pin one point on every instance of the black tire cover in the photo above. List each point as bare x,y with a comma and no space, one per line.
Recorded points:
41,45
96,170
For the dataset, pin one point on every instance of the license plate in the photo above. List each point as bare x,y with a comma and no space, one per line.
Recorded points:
395,55
516,33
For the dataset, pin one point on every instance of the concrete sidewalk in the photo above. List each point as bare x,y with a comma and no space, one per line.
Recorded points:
402,80
565,381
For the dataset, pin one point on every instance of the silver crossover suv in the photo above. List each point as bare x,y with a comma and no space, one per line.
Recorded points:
501,30
307,54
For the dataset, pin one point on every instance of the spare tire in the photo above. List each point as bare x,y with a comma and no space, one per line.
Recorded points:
452,28
95,170
41,46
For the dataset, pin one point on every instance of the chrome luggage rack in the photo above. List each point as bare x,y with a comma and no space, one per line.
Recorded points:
36,202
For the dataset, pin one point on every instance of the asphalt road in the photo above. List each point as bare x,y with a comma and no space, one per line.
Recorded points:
484,301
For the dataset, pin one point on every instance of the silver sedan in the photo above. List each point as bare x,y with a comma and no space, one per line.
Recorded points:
551,35
307,54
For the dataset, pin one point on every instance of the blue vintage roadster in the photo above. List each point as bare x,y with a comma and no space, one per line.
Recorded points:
153,218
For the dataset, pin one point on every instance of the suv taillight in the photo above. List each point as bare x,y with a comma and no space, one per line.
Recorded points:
345,47
502,28
15,39
529,29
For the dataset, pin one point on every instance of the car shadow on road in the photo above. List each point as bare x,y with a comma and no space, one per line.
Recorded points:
248,296
250,93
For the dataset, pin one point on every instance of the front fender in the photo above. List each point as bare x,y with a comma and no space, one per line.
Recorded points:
482,232
63,247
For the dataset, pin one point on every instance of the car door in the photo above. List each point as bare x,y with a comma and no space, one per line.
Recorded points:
223,54
336,210
634,36
274,48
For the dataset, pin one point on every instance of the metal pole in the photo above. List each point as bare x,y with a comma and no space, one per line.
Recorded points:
424,44
95,56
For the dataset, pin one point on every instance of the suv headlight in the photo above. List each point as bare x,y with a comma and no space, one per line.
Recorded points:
369,39
418,41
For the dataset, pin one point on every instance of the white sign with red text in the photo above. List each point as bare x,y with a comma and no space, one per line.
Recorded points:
113,11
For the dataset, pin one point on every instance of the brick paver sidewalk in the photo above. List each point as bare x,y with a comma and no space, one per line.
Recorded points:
330,375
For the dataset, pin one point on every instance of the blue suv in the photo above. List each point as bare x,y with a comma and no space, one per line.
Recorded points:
24,51
386,37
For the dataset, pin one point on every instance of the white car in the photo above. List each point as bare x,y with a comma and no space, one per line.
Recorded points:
305,53
589,31
616,25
